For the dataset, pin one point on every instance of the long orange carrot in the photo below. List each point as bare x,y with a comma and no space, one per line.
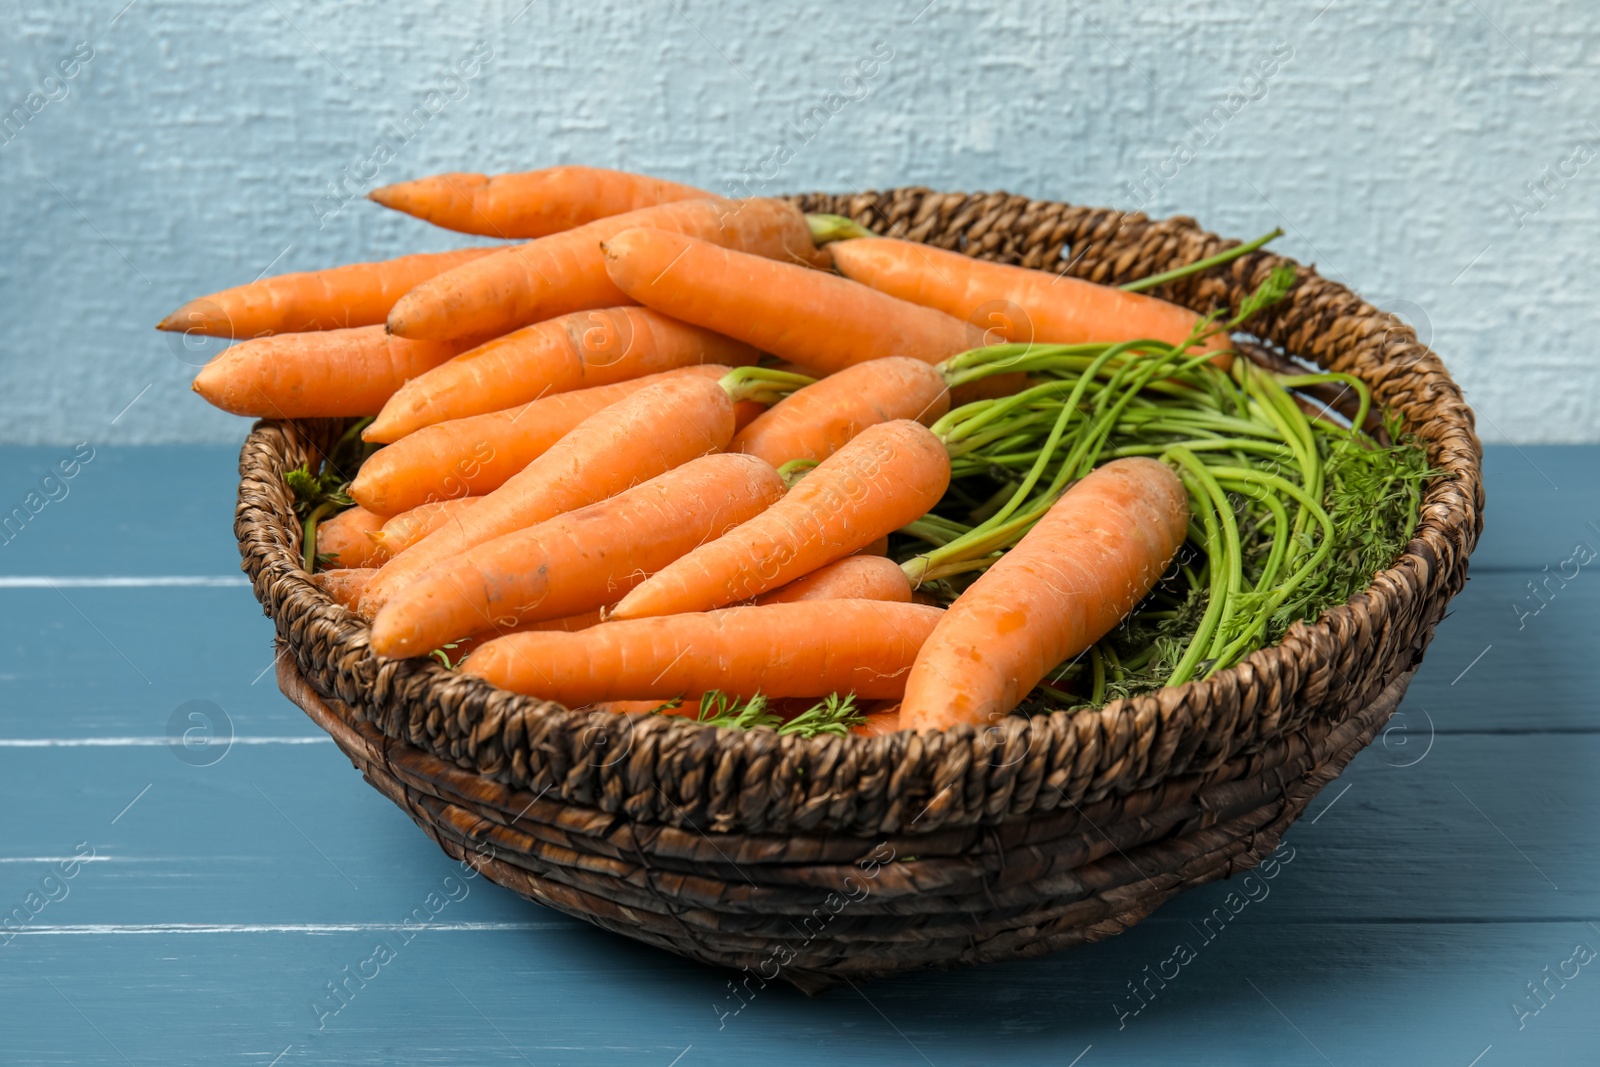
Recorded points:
891,474
315,375
456,650
635,439
345,538
1015,303
473,456
814,318
533,203
576,561
359,294
345,584
1093,556
566,271
857,577
816,421
809,648
409,527
576,351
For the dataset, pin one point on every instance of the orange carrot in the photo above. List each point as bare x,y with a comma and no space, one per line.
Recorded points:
857,577
880,547
314,375
473,456
409,527
576,351
646,707
814,422
458,648
810,648
891,474
345,538
814,318
577,561
359,294
635,439
566,272
1012,303
747,411
530,204
884,719
344,584
1093,556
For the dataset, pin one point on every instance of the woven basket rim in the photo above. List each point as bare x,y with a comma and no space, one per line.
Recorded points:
968,774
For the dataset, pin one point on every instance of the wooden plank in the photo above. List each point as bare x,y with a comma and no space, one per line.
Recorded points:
87,662
1542,499
1294,995
156,509
1511,659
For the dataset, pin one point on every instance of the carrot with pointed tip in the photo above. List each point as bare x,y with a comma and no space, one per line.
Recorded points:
577,561
889,475
346,538
318,375
407,528
476,455
1066,584
531,203
566,271
569,352
1015,303
816,421
633,440
359,294
814,318
809,648
857,577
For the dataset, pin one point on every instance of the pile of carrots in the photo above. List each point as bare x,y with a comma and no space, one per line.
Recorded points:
673,450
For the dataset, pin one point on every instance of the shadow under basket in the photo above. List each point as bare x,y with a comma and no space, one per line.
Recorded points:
853,858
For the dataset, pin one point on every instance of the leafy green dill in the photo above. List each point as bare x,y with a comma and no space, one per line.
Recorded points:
834,714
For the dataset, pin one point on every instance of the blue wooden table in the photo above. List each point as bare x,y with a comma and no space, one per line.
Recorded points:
221,901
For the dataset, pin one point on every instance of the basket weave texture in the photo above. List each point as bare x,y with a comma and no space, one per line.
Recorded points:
848,858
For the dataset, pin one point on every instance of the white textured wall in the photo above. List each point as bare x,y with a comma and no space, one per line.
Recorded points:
1394,145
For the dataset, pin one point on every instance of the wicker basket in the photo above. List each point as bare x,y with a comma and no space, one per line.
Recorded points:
850,858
